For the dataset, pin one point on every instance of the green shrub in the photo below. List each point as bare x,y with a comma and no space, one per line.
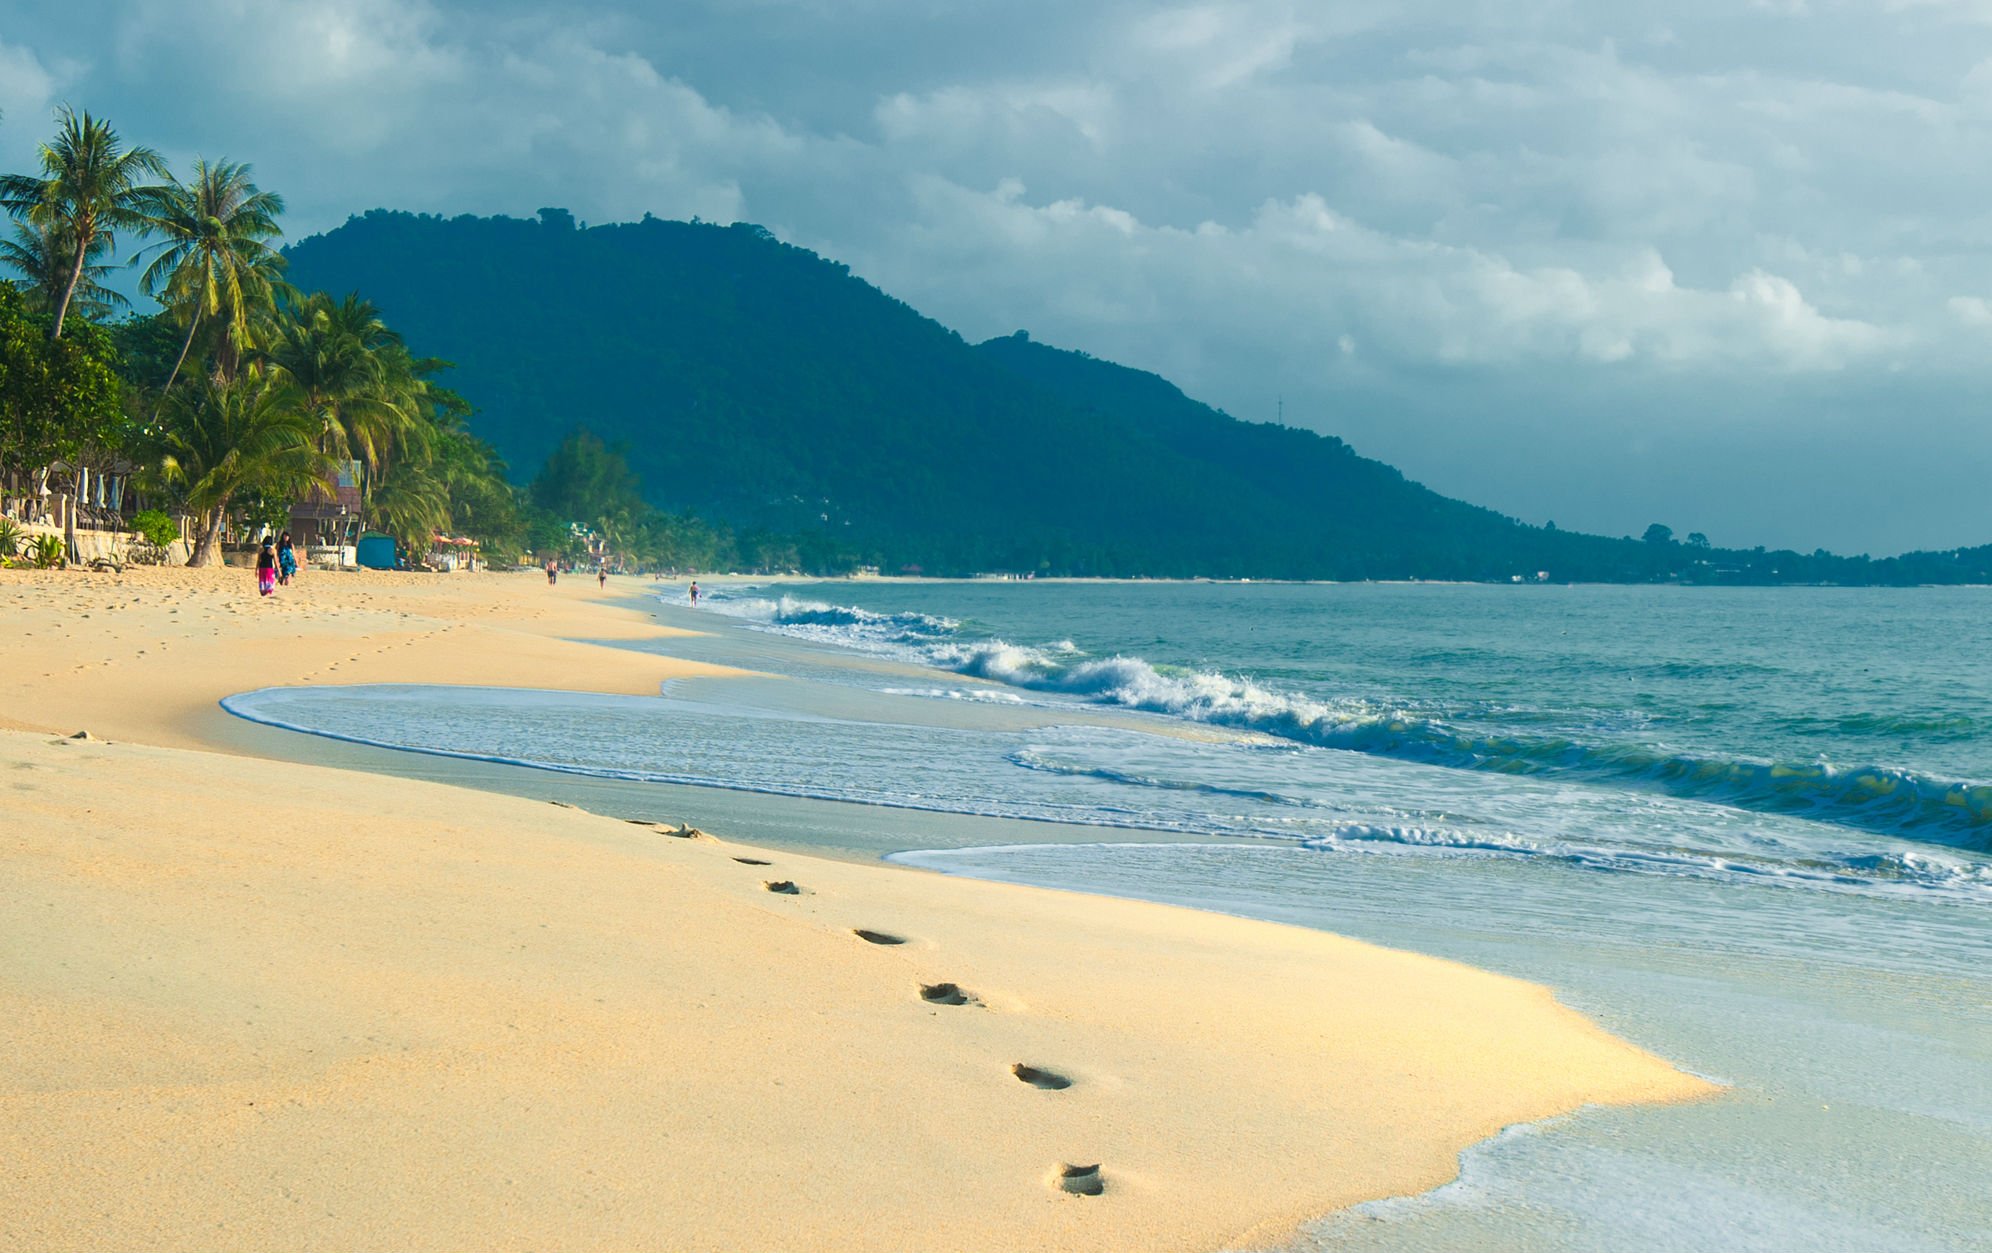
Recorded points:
48,552
10,538
156,527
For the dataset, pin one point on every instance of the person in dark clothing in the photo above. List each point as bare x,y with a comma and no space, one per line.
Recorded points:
266,569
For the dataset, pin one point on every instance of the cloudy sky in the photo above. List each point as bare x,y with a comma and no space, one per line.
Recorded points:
1724,265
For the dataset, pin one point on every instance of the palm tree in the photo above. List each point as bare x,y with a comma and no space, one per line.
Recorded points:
354,374
90,187
411,502
223,439
483,502
45,260
215,259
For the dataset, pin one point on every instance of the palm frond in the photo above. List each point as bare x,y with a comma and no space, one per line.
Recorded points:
45,258
91,186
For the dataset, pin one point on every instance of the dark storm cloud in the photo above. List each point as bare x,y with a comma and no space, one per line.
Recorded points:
1718,265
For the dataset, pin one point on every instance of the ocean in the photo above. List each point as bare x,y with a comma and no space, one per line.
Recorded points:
1749,829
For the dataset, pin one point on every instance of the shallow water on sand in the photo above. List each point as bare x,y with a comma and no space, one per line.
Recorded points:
1746,829
1859,1116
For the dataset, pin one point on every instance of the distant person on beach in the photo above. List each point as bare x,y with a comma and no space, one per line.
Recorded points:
601,576
552,572
286,560
266,569
695,591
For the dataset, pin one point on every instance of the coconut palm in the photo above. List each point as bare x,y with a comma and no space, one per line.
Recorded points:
221,440
354,374
45,259
411,502
215,260
90,187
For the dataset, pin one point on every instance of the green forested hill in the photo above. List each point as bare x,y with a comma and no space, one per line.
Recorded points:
760,384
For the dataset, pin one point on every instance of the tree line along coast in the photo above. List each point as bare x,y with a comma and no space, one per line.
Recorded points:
697,397
243,405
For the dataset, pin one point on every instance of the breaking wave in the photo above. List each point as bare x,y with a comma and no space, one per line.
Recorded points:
835,624
1869,797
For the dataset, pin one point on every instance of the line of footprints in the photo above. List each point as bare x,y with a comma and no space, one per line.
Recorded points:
1076,1179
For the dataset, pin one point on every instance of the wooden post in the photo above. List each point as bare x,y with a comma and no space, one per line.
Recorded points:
78,483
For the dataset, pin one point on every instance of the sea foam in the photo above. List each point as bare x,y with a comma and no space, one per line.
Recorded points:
1872,797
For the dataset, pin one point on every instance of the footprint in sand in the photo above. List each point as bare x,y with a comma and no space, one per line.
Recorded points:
683,831
752,861
878,937
1045,1080
947,994
783,887
1081,1180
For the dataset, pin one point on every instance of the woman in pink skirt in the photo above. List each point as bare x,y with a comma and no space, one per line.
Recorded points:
266,570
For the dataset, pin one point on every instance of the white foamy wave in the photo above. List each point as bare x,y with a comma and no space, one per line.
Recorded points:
1200,695
1429,839
1060,667
899,634
1889,872
1869,797
981,695
1877,798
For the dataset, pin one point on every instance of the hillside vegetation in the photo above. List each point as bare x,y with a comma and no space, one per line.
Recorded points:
764,386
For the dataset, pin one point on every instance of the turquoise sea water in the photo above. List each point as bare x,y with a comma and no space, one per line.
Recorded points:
1749,829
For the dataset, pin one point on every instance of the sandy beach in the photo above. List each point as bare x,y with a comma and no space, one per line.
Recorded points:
253,1005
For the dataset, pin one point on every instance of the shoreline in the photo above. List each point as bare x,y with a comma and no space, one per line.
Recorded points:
586,1032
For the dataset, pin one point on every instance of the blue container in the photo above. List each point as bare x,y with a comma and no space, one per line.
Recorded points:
376,551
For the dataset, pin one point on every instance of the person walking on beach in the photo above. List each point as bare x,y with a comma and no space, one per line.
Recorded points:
266,569
286,560
601,576
552,572
695,592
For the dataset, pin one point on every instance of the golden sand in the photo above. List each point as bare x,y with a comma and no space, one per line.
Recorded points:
250,1005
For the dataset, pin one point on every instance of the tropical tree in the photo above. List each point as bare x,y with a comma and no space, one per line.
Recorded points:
414,410
90,187
352,373
58,399
215,260
411,503
483,503
223,440
584,479
45,259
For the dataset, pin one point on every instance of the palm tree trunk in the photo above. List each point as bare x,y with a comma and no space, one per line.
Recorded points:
204,543
192,326
227,356
69,291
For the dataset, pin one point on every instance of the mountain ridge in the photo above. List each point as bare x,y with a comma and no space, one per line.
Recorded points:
763,385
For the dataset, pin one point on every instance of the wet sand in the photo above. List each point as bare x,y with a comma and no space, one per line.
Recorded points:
253,1004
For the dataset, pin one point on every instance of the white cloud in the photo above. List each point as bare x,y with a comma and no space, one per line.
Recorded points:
27,93
447,114
1539,199
1023,111
1970,310
345,57
1301,274
1219,45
